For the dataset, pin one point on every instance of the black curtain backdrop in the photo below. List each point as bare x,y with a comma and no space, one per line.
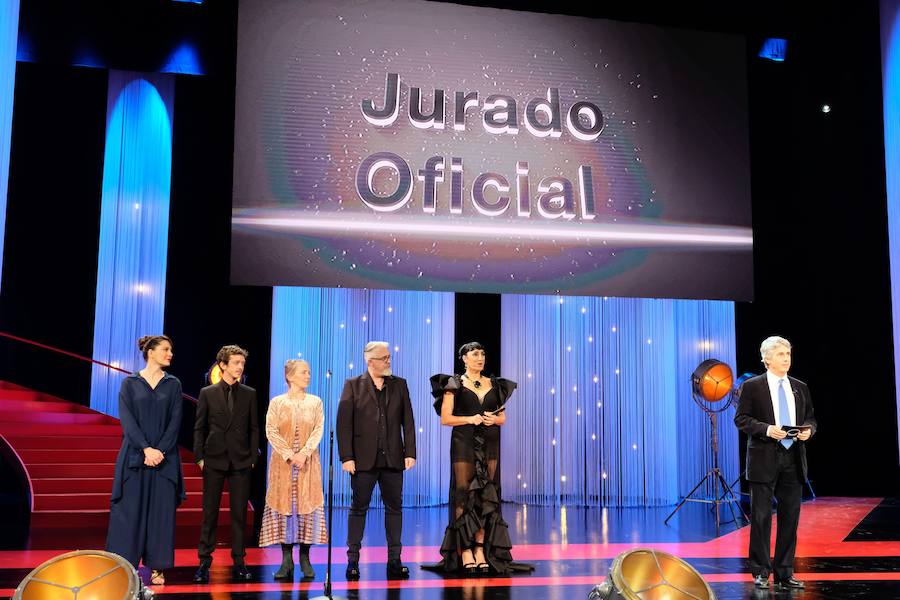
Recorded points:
821,253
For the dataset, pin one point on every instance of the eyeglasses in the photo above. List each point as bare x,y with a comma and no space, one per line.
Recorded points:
385,358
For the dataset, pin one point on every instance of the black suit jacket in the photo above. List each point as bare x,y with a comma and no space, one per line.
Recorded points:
220,437
755,413
357,422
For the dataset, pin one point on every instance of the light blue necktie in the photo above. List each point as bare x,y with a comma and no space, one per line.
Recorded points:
784,415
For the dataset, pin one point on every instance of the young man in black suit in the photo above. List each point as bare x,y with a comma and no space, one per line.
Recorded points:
776,463
376,442
226,446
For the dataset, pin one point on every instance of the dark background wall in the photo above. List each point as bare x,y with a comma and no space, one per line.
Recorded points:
818,189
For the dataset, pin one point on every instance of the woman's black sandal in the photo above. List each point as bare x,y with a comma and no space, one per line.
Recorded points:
481,568
470,569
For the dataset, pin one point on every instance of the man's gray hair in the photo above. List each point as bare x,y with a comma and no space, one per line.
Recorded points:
768,347
371,347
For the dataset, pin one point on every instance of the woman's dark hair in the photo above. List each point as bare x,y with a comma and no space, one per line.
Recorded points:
149,342
466,348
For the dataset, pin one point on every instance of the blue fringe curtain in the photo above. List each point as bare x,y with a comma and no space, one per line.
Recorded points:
604,414
890,75
330,327
134,226
9,34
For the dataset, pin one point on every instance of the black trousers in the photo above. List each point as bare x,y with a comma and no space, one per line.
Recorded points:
390,483
788,491
239,494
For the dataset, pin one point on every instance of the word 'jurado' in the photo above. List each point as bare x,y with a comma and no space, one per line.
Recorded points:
584,120
557,199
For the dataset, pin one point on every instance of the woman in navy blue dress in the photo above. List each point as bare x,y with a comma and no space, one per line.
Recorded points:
148,484
476,540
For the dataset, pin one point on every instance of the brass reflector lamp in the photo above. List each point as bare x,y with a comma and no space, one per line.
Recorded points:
83,575
647,574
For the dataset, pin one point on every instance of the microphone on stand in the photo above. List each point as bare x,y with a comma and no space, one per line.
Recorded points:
328,595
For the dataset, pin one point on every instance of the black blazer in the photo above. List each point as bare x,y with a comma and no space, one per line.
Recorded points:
220,438
357,422
754,415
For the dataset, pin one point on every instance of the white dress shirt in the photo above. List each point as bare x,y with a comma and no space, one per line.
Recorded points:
773,381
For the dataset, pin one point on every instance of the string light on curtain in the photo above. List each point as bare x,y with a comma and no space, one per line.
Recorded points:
330,327
134,226
630,361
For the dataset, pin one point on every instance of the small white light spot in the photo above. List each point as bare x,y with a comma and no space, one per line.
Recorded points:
552,391
428,321
634,446
529,376
524,485
649,341
553,442
603,475
556,419
518,476
591,339
613,328
350,366
599,405
341,325
396,348
365,318
390,309
826,108
563,478
561,300
583,310
593,436
568,348
137,206
421,430
578,412
617,371
299,355
596,379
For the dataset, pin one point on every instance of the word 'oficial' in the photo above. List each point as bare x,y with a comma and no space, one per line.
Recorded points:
584,120
557,198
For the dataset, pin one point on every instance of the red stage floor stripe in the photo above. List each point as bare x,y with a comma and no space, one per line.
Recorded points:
436,582
824,523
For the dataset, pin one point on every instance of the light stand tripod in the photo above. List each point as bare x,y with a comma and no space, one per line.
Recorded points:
728,496
328,595
705,397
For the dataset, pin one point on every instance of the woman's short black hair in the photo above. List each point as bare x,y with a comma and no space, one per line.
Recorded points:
466,348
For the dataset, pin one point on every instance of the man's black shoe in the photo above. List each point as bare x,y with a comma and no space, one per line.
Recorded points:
761,581
240,573
352,571
202,574
790,582
396,569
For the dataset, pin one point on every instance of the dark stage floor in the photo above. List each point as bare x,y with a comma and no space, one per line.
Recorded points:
848,548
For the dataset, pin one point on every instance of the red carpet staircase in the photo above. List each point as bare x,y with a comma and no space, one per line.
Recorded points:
70,452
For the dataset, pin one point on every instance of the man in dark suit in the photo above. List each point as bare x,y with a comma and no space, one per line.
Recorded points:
226,446
376,442
776,462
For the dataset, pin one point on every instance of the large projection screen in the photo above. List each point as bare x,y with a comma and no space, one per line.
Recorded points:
431,146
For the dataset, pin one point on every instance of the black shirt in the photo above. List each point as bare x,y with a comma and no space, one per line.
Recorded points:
381,459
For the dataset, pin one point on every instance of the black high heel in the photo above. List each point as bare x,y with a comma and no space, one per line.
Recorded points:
481,568
470,569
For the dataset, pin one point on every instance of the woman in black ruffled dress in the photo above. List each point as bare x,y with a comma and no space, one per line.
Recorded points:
476,541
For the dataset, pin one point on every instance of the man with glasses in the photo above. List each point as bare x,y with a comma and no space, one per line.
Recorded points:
376,442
